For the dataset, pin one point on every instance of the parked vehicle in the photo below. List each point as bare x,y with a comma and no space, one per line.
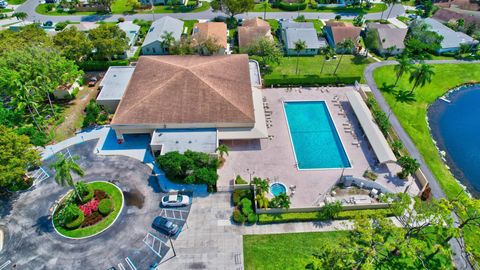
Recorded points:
92,81
165,225
175,200
3,4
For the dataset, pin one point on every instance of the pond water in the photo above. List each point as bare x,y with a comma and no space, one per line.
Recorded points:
456,128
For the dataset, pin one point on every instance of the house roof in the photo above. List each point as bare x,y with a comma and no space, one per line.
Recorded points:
251,30
130,29
309,35
290,24
255,22
451,39
114,83
162,25
342,33
84,26
187,90
446,15
390,37
337,23
215,30
375,25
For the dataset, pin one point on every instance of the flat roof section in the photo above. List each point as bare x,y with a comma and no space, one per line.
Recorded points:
181,140
115,82
378,142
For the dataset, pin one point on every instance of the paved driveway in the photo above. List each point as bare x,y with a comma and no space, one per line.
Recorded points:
31,242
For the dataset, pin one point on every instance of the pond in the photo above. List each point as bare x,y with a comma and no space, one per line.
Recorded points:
455,125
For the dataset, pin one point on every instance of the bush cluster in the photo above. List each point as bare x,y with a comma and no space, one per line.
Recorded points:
244,211
292,6
105,207
240,181
95,115
101,65
239,194
307,80
380,116
190,167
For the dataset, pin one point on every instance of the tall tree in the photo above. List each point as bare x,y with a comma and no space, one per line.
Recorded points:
222,150
17,155
345,46
167,40
22,16
265,6
300,45
64,166
232,7
409,166
328,53
404,65
421,75
268,50
108,40
73,44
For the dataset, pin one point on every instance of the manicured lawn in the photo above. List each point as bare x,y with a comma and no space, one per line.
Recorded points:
349,66
5,10
376,8
117,199
284,251
412,117
189,25
16,2
42,9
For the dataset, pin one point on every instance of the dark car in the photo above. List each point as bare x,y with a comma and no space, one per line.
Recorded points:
92,81
165,225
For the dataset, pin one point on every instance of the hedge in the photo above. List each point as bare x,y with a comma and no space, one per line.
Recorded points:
307,80
102,65
77,222
105,207
318,216
292,6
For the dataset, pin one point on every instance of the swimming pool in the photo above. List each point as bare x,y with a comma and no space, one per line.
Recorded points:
315,140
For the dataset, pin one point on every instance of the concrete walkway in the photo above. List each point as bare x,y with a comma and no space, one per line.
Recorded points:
459,257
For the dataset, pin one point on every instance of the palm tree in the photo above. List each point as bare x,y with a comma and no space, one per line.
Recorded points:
264,4
409,166
167,40
261,185
300,45
63,167
328,52
20,16
404,65
420,75
345,46
222,149
22,100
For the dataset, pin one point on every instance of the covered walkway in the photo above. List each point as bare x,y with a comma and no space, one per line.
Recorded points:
378,142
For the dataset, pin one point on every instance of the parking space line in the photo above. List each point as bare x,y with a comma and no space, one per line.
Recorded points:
7,263
129,262
174,214
151,244
121,267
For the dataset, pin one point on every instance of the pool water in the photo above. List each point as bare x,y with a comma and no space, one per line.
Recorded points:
277,188
315,140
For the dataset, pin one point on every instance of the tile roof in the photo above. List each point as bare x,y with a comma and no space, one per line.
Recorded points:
252,30
214,90
342,33
216,30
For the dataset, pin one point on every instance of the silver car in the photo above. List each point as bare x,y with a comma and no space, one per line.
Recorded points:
175,200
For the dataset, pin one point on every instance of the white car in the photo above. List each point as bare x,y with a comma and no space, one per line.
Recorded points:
175,200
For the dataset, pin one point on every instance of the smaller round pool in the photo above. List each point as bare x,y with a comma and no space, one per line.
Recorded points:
277,188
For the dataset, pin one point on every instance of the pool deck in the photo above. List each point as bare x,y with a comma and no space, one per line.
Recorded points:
274,158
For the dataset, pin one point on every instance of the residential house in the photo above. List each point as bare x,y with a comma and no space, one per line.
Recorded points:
163,2
337,32
131,30
251,31
451,39
112,87
83,26
153,43
446,15
390,39
191,102
291,32
216,31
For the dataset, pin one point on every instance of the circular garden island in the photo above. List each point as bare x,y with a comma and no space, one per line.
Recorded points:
88,209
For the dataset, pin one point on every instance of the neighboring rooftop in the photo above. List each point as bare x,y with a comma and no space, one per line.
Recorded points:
213,91
340,32
130,29
451,38
199,140
392,37
290,24
84,26
252,30
206,30
309,35
161,26
115,82
448,14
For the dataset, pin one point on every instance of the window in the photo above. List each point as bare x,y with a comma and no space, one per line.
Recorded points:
153,50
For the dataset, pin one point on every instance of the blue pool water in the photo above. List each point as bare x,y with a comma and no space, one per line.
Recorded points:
456,128
315,140
277,188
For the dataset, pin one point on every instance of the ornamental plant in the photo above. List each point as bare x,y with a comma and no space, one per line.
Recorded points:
89,207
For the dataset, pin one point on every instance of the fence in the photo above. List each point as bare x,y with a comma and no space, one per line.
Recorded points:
319,208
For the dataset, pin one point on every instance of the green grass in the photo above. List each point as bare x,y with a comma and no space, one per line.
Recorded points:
16,2
189,25
116,196
349,66
5,10
376,8
121,7
284,251
412,118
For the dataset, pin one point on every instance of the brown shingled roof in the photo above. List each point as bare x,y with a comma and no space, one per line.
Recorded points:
188,89
251,30
215,30
342,33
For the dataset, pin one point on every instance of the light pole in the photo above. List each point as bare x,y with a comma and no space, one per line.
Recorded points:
250,173
173,248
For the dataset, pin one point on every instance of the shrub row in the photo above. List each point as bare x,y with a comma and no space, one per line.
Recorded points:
76,222
102,65
105,207
319,216
292,6
307,80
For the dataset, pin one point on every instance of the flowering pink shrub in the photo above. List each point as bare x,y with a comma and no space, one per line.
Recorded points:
89,207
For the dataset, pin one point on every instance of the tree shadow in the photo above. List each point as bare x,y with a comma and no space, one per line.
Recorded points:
388,88
43,225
